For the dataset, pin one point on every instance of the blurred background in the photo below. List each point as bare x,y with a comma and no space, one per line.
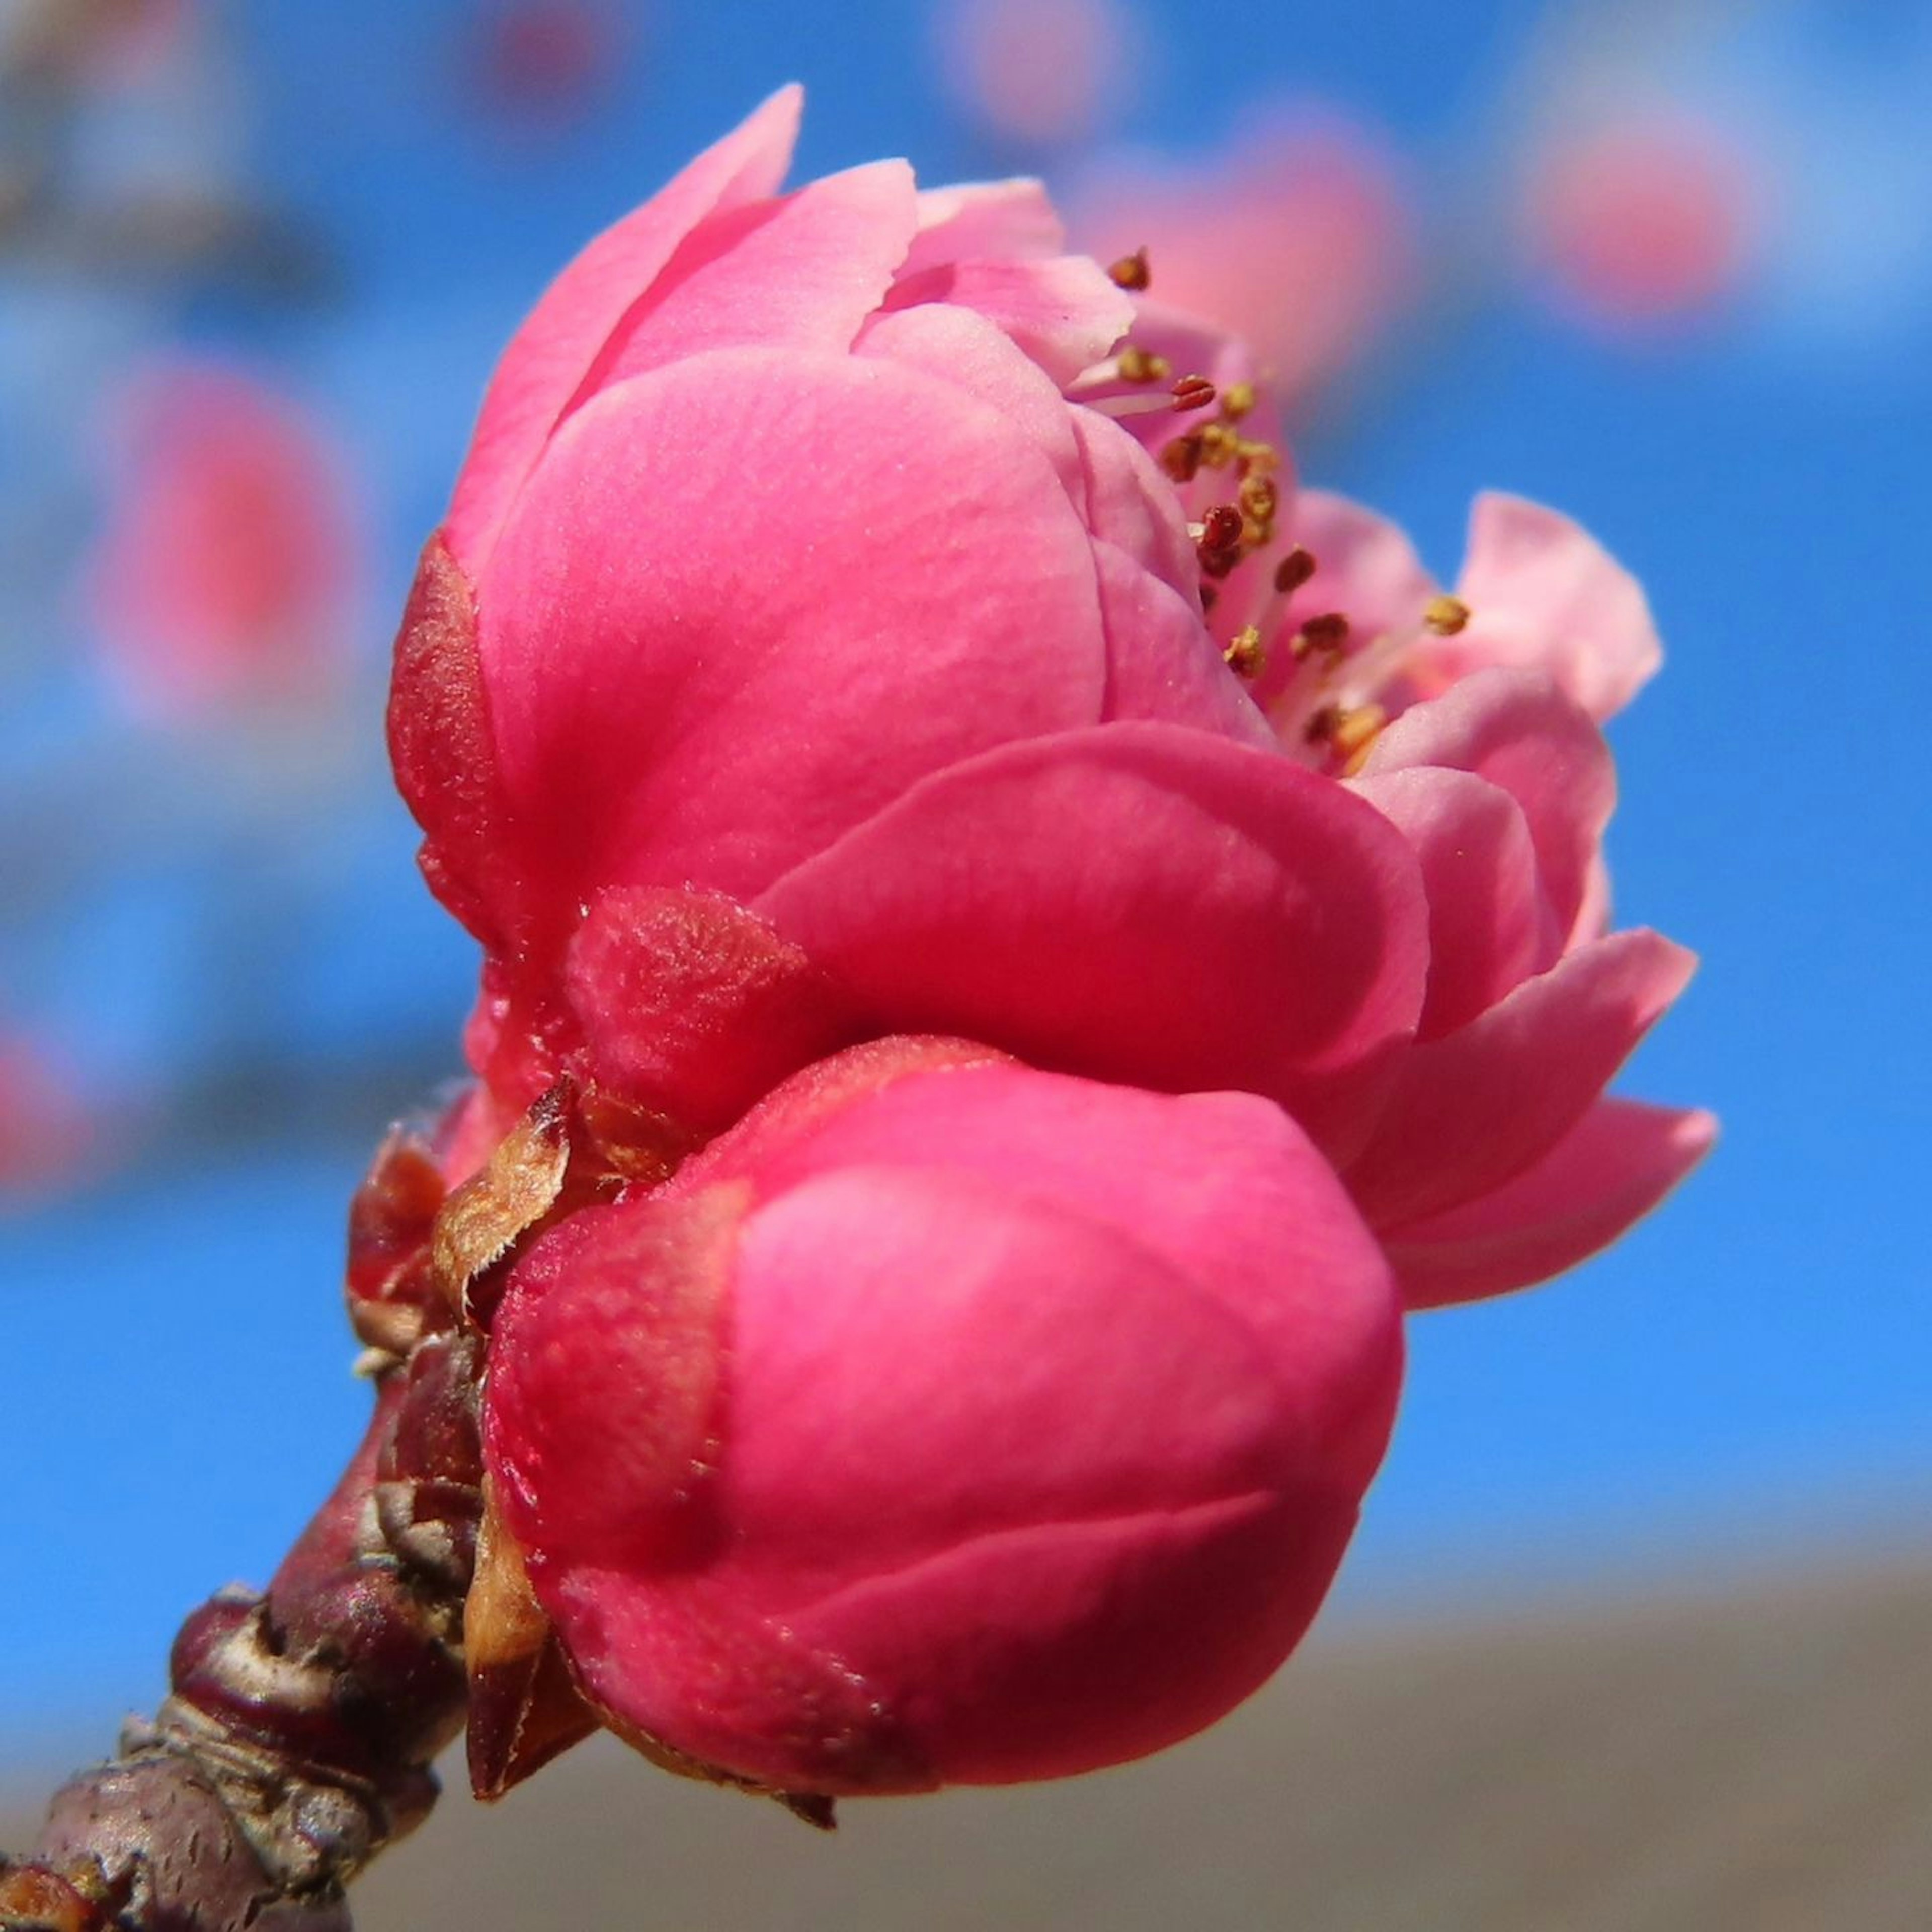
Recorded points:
1666,264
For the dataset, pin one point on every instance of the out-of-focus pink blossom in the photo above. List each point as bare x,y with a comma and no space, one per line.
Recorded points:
804,659
1297,239
946,1422
545,59
226,572
47,1131
1643,221
1040,72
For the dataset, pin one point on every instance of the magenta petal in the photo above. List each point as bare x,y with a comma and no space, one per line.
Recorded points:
549,356
691,1006
1365,565
1616,1164
1520,730
1139,903
1490,925
1473,1110
1132,504
802,272
1543,594
1162,665
671,705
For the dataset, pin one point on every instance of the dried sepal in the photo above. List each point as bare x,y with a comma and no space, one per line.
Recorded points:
76,1898
392,1299
516,1188
525,1708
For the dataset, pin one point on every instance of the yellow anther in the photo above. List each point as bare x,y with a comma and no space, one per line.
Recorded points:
1445,615
1244,655
1237,400
1137,365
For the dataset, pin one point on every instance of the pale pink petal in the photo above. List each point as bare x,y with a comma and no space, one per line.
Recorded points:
1036,70
1140,903
802,272
1472,1111
1613,1166
1544,595
1062,310
702,665
1490,925
1001,220
1518,729
548,358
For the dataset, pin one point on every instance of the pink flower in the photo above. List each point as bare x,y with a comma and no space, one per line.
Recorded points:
799,663
814,652
1037,70
945,1422
226,570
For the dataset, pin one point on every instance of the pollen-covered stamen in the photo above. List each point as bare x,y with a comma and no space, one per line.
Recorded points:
1131,272
1136,364
1294,571
1181,458
1347,730
1217,539
1445,616
1193,392
1244,655
1326,636
1259,499
1237,400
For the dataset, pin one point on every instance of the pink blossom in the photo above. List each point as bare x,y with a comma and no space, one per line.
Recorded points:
814,651
46,1128
1642,219
799,662
945,1422
1040,71
226,569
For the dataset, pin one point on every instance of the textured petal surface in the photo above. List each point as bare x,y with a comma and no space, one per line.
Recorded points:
702,668
1061,310
985,221
1137,903
547,361
1473,1110
1615,1164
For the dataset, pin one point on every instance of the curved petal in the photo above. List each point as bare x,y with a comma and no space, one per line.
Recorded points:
1139,903
803,273
1000,220
703,665
1132,504
1520,731
1163,665
1615,1164
1473,1110
1061,310
1490,925
1544,595
547,359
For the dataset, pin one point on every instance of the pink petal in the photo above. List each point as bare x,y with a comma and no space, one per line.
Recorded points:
1615,1164
691,1006
1002,220
1132,504
1062,310
1163,665
964,348
1520,730
803,272
703,667
1473,1110
548,358
1543,594
1489,926
1137,902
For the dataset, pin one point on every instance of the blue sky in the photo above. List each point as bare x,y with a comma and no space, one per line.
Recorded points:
1748,1369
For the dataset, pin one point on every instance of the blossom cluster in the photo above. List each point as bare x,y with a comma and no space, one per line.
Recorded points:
1044,937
